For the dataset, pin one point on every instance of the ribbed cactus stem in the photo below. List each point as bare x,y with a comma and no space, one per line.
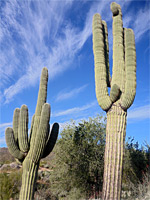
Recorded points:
51,140
42,135
100,63
118,73
12,144
106,51
29,176
130,66
16,122
42,95
114,93
40,142
122,93
23,129
115,136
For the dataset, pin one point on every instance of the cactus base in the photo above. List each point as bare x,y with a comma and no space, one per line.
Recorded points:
114,150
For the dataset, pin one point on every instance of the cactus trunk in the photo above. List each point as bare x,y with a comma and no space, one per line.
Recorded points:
122,93
114,149
29,176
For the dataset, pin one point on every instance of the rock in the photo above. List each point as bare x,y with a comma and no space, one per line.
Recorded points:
4,166
15,165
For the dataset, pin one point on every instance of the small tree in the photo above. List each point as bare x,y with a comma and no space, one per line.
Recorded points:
78,162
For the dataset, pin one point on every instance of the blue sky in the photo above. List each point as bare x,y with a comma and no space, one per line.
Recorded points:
58,35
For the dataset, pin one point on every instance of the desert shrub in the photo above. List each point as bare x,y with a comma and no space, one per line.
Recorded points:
42,190
138,191
9,185
79,160
136,170
77,164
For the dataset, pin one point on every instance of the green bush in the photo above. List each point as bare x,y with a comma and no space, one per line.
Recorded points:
136,170
43,190
78,163
79,160
9,185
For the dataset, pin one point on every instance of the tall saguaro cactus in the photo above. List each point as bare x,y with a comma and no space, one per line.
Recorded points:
40,143
122,93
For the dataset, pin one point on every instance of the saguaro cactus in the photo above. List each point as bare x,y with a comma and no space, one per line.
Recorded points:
40,143
122,93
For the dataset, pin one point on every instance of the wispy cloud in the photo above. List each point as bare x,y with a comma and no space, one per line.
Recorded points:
74,110
34,34
5,125
30,39
63,95
139,113
140,22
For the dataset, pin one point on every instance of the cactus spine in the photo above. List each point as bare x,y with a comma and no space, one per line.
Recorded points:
122,93
30,150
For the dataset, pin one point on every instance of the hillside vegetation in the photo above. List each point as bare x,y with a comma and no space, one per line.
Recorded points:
75,170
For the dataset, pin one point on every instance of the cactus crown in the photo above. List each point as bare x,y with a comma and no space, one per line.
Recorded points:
123,81
39,143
